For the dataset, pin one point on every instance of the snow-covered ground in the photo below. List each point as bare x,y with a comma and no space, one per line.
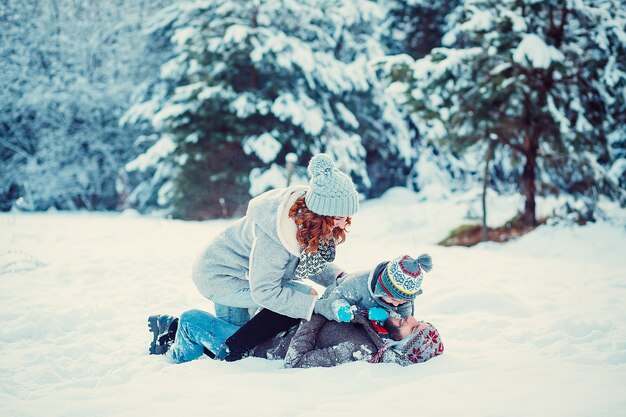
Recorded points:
535,327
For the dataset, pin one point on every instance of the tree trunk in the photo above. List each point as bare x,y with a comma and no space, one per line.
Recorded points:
530,150
254,75
488,157
528,181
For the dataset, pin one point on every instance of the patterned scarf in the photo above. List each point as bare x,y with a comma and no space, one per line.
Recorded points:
312,263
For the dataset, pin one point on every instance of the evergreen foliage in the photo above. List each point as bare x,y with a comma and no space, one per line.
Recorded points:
192,108
249,82
415,27
544,80
67,69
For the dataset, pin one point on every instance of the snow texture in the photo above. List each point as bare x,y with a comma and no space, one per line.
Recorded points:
533,51
535,327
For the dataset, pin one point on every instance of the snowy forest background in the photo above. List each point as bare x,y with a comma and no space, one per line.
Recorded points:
189,108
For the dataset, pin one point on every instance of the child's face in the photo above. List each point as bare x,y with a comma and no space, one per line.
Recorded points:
394,301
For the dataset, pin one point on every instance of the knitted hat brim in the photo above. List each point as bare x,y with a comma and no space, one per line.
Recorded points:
336,206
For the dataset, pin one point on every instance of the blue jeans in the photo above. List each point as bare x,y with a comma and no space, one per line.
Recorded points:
198,330
234,308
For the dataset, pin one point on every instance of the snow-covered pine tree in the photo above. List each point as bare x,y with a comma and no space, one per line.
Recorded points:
67,68
544,80
415,27
411,29
249,82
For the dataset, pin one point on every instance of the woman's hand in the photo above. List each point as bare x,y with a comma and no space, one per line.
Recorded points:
313,292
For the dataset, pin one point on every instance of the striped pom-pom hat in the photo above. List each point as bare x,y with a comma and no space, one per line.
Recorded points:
402,277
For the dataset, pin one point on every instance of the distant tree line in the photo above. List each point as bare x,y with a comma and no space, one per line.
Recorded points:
191,107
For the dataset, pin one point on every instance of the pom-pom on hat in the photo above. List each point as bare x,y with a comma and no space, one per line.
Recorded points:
402,278
332,192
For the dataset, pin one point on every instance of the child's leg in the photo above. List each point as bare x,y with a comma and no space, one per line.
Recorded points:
196,330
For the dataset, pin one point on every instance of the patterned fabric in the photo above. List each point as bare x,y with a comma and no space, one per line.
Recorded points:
378,357
421,346
377,325
312,263
403,277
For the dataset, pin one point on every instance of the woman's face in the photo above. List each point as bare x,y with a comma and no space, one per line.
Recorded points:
340,222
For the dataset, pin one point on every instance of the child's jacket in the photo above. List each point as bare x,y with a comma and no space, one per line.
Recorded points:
358,289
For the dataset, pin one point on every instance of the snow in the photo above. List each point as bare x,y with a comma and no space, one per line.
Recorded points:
618,168
275,176
265,146
346,115
426,67
172,68
170,112
162,148
535,327
480,20
165,192
559,117
181,36
519,24
244,105
236,34
534,51
302,111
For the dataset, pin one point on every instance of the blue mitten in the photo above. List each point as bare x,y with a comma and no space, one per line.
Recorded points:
345,313
377,314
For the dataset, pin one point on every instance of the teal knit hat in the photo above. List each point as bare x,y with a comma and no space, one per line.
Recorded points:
332,192
402,278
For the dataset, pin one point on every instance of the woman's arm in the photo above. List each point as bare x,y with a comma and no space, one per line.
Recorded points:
267,268
328,276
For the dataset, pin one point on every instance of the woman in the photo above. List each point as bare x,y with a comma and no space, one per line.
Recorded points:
286,235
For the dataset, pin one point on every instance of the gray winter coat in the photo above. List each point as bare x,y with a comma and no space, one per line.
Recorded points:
322,343
260,251
357,289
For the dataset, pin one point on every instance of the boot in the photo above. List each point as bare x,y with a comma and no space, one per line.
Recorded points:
163,329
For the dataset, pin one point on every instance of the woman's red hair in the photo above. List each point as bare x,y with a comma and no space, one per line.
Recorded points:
314,228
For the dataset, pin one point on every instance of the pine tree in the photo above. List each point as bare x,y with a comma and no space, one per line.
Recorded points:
249,82
544,80
67,69
415,27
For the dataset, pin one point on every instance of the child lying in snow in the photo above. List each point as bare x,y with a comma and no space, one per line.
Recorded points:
388,290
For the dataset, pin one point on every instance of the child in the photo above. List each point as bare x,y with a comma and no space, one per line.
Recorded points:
391,286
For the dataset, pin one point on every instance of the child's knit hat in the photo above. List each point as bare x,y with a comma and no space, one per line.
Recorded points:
420,346
402,278
332,192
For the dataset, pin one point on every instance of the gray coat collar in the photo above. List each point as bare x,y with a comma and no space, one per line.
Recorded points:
270,211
